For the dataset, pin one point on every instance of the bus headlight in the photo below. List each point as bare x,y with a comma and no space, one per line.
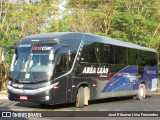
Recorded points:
47,87
47,98
32,92
9,82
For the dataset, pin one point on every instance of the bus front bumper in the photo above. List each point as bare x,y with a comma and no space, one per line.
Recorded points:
42,95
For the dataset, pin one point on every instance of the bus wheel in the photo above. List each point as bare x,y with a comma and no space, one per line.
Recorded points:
80,98
86,95
141,92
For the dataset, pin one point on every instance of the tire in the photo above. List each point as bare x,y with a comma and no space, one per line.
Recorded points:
80,98
86,95
11,98
141,92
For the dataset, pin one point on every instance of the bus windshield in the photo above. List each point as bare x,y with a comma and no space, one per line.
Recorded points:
32,58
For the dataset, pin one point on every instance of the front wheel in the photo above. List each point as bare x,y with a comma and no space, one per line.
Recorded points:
80,98
141,92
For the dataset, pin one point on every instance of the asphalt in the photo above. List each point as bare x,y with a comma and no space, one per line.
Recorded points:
5,95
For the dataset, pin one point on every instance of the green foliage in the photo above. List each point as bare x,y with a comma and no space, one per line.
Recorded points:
133,21
133,28
19,20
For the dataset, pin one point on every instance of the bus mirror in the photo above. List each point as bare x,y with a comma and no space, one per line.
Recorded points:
51,55
2,58
5,50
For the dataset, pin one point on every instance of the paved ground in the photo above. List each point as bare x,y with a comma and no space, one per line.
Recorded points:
151,103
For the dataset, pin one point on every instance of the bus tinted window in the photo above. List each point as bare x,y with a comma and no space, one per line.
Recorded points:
66,55
89,53
143,58
133,56
153,59
130,56
65,60
107,53
147,58
62,61
121,55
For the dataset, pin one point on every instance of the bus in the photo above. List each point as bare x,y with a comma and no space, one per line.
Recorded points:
71,67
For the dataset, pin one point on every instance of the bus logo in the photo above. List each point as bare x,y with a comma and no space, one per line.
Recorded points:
39,48
95,70
20,86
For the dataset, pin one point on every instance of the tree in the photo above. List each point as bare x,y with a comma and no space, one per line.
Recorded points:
93,16
19,19
135,21
57,19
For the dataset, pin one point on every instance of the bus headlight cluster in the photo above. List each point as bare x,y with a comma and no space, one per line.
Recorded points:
32,92
47,98
9,82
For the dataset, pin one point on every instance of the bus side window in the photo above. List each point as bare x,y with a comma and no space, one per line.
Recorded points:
61,63
133,57
71,57
130,60
107,53
153,59
144,58
88,54
121,55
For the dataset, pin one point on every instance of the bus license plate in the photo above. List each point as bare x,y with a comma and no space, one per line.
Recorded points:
23,97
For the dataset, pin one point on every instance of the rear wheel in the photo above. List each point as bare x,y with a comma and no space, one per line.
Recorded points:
80,98
141,92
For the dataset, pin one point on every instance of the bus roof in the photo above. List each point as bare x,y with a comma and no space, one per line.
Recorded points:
111,41
49,37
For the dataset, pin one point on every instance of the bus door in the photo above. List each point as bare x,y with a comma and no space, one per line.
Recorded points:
64,88
60,70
